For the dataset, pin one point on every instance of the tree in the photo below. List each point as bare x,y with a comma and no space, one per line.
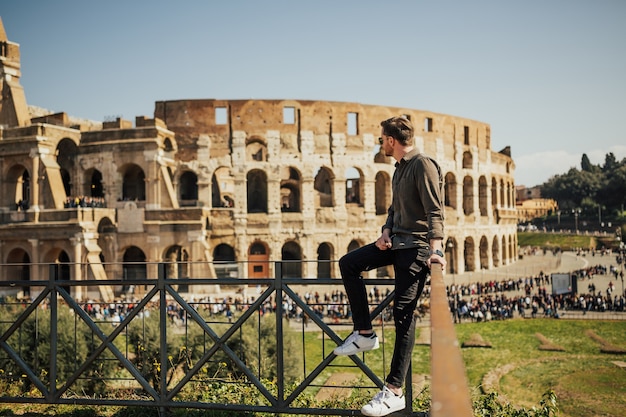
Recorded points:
570,189
590,187
585,164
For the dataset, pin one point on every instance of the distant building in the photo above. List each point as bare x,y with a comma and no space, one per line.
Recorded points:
242,182
534,208
522,193
530,205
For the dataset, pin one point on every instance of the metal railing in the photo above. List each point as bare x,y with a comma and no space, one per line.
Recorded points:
165,382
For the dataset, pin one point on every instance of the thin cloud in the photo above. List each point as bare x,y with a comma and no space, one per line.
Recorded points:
536,168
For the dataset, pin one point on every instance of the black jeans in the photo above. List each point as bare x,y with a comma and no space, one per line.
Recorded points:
411,275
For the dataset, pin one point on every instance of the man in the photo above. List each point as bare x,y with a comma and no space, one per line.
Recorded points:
411,241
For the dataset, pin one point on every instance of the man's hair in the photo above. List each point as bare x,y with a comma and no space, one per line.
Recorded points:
400,128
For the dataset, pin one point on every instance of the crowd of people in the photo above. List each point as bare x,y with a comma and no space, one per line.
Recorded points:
493,300
84,201
533,296
529,296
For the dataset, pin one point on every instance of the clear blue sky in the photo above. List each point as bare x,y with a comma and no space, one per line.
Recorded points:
549,76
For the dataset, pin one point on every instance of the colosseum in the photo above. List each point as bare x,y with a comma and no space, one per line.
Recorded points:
221,188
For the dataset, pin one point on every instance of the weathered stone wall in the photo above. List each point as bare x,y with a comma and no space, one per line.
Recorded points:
234,181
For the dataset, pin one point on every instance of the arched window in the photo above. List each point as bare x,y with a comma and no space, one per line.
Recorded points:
450,190
18,268
224,261
222,188
133,183
96,189
66,156
324,252
134,268
468,160
353,186
188,188
482,196
323,184
469,255
495,252
382,188
257,191
291,254
484,253
290,190
468,195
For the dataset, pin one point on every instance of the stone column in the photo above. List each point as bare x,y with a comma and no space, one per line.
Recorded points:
76,242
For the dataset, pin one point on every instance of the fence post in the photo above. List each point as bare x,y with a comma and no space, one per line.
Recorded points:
450,395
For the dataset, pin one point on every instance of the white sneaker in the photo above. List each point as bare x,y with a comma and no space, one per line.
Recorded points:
383,403
356,343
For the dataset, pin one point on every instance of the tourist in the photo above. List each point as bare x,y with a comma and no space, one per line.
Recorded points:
411,240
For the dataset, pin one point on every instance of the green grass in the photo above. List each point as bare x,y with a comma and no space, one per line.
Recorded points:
586,382
566,241
554,240
583,378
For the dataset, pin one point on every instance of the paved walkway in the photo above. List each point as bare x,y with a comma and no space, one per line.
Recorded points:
530,266
533,265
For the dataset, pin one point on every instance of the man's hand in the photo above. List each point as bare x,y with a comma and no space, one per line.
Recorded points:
436,259
384,241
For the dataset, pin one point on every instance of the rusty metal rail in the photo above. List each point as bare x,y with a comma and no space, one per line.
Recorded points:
159,388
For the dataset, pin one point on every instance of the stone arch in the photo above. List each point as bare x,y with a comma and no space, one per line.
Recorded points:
495,252
17,188
257,191
107,239
168,145
469,254
451,252
382,187
133,182
290,190
291,255
324,255
494,192
225,261
59,265
468,195
505,258
354,186
502,198
176,262
18,269
133,268
484,253
222,188
188,188
450,191
256,149
468,160
509,195
93,186
66,152
482,196
258,260
324,186
354,244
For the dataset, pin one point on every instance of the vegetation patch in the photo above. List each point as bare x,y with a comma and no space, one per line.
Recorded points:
598,393
605,346
476,341
337,386
546,344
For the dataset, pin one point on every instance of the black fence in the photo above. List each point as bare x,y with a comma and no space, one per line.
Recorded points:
242,348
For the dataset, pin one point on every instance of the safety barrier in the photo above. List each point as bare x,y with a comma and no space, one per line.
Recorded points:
34,346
